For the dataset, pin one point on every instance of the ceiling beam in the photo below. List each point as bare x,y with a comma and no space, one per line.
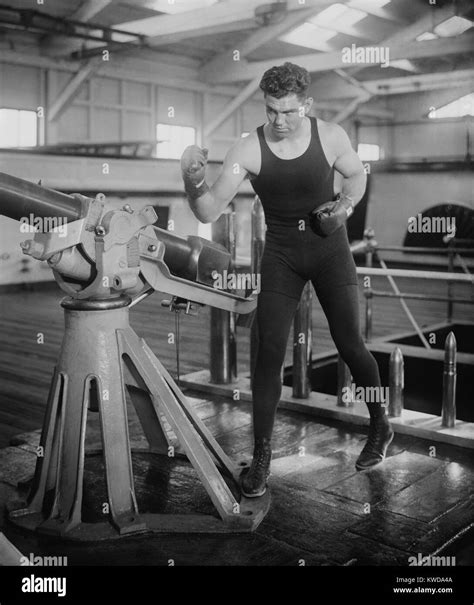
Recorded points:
353,31
368,111
190,22
433,17
351,107
231,15
71,89
382,13
404,85
147,72
243,96
351,80
225,28
420,82
320,62
430,20
89,9
259,38
84,13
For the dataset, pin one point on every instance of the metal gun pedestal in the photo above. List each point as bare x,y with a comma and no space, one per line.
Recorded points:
102,357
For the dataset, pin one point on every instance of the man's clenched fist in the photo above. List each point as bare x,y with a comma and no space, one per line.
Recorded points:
193,168
325,219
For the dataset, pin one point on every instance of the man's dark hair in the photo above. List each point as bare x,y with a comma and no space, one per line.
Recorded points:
286,79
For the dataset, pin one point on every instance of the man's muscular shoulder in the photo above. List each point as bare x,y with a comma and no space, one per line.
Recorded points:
331,130
246,153
334,139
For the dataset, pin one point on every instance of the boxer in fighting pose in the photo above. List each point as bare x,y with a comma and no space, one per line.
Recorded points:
290,162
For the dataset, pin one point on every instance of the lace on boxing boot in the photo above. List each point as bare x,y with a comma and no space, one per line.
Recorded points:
254,483
379,438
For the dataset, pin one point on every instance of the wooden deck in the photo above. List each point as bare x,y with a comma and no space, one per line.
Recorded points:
323,512
26,366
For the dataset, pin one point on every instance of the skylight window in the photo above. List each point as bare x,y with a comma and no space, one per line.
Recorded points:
176,6
310,36
338,15
452,27
464,106
404,64
371,3
426,36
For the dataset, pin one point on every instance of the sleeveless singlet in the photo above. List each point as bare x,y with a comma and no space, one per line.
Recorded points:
293,253
290,189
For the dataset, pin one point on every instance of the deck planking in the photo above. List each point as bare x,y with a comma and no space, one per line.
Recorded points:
319,511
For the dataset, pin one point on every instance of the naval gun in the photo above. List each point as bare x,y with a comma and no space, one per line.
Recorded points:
99,251
107,259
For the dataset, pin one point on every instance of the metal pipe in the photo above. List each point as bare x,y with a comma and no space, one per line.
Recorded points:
458,240
258,245
434,275
344,383
408,313
368,293
223,343
385,294
359,247
370,244
423,250
449,317
369,239
19,199
302,344
462,262
448,412
396,381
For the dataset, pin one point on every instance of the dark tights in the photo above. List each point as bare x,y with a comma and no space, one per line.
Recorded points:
275,315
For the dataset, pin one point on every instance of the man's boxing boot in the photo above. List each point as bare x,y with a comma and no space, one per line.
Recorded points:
254,483
378,440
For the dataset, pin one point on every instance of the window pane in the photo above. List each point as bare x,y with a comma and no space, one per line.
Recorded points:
9,126
17,128
172,140
368,152
27,129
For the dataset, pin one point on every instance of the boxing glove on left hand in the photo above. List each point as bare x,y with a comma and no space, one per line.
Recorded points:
325,219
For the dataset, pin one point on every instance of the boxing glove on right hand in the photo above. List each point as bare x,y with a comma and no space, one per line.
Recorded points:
193,169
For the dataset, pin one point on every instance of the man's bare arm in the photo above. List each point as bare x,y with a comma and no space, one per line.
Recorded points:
208,206
349,165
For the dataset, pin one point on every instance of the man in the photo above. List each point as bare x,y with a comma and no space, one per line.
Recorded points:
290,162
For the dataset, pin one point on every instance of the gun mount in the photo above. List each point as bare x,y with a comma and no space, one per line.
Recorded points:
107,259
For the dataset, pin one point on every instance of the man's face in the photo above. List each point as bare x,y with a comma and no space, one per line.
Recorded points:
285,115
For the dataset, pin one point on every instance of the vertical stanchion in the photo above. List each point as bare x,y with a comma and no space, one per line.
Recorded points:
369,295
448,413
257,246
369,259
302,343
396,383
344,383
223,345
369,235
451,253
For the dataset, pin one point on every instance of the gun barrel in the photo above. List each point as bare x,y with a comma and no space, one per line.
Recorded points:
20,198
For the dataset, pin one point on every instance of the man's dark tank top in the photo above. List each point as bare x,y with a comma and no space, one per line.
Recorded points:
290,189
